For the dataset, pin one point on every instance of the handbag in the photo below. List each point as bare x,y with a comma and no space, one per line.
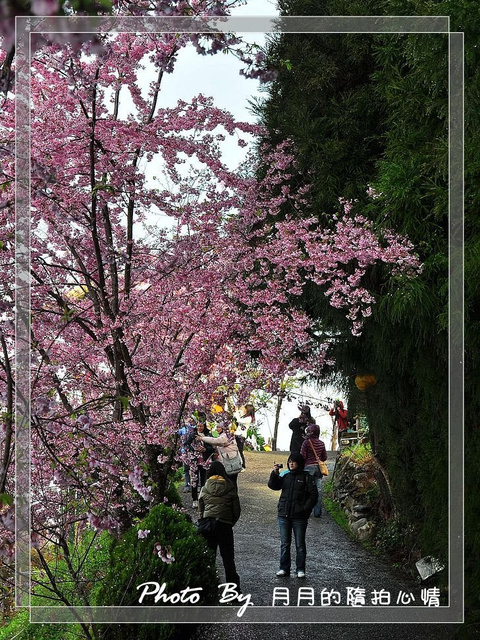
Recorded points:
232,465
321,464
206,525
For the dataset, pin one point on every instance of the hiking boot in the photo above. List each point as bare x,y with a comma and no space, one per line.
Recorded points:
282,574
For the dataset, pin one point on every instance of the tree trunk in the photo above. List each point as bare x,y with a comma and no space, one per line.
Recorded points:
334,434
388,503
158,472
277,420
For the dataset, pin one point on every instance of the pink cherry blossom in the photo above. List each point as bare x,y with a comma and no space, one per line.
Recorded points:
164,554
134,326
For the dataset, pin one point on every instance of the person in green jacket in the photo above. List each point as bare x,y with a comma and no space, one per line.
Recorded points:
219,499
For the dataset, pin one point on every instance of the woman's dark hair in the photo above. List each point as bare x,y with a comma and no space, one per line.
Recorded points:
217,469
305,411
298,458
206,430
250,410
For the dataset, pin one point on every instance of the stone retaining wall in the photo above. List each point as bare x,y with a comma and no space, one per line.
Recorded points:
356,489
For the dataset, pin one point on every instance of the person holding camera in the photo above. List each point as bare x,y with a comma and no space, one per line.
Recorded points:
201,453
299,496
339,415
243,420
226,448
298,426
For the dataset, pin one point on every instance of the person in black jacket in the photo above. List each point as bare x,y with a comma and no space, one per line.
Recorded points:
201,453
298,426
299,496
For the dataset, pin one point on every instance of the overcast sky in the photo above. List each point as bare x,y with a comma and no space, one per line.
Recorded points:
218,76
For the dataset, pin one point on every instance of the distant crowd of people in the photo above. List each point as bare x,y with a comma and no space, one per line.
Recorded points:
214,463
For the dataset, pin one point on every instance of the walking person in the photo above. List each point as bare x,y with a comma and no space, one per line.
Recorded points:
313,445
298,426
219,499
299,496
201,451
227,450
242,424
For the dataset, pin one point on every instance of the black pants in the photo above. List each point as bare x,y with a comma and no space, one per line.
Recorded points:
201,479
222,538
233,478
240,440
186,474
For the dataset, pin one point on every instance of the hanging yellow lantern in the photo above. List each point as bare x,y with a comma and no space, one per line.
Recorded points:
218,402
216,408
365,382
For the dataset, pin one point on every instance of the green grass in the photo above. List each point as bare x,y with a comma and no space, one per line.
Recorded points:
19,628
338,514
334,508
358,453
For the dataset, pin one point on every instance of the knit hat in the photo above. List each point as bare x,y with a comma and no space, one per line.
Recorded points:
225,426
313,430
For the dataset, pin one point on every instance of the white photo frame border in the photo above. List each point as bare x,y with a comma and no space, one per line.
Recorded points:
454,612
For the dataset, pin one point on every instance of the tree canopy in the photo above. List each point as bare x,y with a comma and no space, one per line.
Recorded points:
368,115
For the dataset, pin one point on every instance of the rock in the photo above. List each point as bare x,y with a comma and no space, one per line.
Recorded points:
360,476
358,524
357,516
352,482
428,566
360,490
365,532
361,508
362,485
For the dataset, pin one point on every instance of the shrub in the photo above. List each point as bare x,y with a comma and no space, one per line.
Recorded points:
134,560
171,492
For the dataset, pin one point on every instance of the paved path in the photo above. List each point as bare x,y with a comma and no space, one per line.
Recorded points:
335,563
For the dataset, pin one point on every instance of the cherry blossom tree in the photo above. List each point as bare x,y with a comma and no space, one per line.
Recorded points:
134,326
143,329
7,378
252,56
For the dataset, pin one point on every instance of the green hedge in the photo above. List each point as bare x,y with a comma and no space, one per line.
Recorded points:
133,561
